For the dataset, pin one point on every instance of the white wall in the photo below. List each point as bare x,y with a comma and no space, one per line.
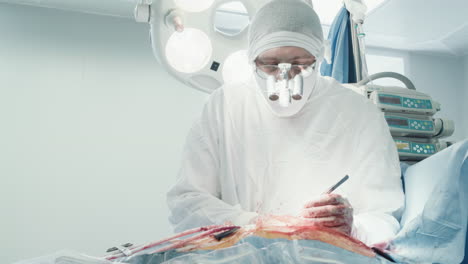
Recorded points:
91,131
383,60
440,76
465,97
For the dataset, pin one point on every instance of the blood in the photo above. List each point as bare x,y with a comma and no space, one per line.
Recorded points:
270,227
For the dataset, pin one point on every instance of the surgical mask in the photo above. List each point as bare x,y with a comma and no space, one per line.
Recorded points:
286,87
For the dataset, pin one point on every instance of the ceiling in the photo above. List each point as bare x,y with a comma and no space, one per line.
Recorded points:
422,25
417,25
327,9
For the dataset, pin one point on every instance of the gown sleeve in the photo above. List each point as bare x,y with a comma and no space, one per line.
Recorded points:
195,200
379,198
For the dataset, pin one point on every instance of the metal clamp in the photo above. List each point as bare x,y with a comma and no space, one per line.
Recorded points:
124,249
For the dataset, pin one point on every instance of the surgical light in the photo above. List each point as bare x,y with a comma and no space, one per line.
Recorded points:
199,41
231,18
188,51
193,39
193,5
174,20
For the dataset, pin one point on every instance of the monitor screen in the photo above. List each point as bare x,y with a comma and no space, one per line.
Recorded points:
396,121
390,100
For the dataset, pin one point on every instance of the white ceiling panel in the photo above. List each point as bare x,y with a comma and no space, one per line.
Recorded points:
457,41
423,25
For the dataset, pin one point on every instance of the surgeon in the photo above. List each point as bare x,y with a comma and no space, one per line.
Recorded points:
274,144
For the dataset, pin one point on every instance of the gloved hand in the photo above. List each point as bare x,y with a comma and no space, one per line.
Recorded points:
331,211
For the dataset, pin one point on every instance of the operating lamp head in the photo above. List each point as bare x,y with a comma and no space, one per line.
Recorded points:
206,43
202,43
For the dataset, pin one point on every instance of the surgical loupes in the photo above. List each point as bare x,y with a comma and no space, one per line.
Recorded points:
281,87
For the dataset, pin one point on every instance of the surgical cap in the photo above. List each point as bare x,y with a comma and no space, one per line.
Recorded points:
282,23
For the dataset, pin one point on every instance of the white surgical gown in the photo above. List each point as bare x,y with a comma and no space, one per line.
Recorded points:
241,160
